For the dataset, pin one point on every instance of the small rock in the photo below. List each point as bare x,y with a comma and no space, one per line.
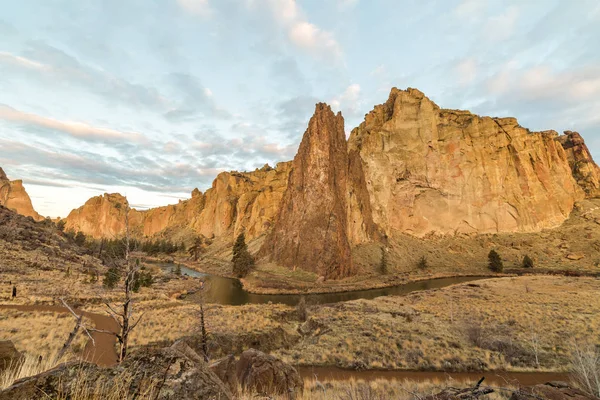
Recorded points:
9,355
266,374
575,256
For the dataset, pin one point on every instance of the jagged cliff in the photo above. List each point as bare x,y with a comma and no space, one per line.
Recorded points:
14,197
584,169
236,201
311,230
410,168
431,170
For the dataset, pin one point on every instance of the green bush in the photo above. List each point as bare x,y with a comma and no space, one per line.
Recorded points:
495,261
527,262
243,262
111,277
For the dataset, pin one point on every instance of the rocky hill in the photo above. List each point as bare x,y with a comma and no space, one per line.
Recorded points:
236,201
411,168
14,197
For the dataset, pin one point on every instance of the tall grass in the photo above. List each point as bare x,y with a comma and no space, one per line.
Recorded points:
585,368
29,366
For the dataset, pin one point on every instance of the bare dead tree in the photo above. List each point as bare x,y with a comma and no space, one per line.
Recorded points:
203,333
123,313
78,325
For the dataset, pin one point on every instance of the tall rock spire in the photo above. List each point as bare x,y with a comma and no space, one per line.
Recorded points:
311,229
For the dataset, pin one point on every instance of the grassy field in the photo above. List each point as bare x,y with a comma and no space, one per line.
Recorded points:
519,323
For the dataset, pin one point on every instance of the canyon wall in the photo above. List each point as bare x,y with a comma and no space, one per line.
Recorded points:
410,168
14,197
236,201
431,170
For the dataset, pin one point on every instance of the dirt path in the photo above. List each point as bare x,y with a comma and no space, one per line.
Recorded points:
103,352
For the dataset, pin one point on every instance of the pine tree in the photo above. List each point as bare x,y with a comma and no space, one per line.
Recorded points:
495,262
383,263
111,277
527,262
422,264
242,260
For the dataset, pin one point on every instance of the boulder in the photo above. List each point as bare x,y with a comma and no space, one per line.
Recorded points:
267,375
551,391
225,369
9,355
170,373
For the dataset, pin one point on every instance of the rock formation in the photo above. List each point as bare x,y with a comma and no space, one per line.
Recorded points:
237,201
311,230
410,168
431,170
171,373
584,169
14,197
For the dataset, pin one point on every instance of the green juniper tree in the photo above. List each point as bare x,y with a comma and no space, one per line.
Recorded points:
494,261
242,260
527,262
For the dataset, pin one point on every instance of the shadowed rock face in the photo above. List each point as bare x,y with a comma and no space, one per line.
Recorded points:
310,231
14,197
584,169
447,171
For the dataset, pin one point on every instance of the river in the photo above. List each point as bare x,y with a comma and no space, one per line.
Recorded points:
229,291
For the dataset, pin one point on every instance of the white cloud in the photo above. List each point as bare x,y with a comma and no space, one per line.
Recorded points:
301,32
466,71
348,100
197,7
470,9
9,58
502,26
342,4
78,130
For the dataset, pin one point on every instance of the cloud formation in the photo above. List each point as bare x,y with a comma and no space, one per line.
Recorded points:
77,130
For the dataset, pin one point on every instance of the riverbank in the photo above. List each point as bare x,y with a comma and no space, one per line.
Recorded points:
289,283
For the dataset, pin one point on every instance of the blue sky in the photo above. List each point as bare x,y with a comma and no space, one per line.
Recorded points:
154,98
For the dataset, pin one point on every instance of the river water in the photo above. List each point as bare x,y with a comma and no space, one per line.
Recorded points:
228,291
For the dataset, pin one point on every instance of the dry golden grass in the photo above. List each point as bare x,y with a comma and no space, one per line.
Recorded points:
377,389
39,333
492,324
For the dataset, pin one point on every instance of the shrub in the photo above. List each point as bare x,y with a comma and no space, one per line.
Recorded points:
527,262
243,262
383,263
422,264
495,262
301,309
111,277
585,368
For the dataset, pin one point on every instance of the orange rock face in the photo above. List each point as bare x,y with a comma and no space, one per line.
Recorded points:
311,230
431,170
14,197
237,201
585,171
410,167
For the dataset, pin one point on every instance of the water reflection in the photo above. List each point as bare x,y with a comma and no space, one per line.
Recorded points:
228,291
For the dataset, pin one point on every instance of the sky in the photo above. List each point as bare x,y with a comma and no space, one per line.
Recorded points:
154,98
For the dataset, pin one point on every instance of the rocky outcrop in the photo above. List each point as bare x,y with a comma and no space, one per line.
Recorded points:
100,216
237,201
431,170
9,355
225,369
584,169
311,230
551,391
14,197
262,373
172,373
411,168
